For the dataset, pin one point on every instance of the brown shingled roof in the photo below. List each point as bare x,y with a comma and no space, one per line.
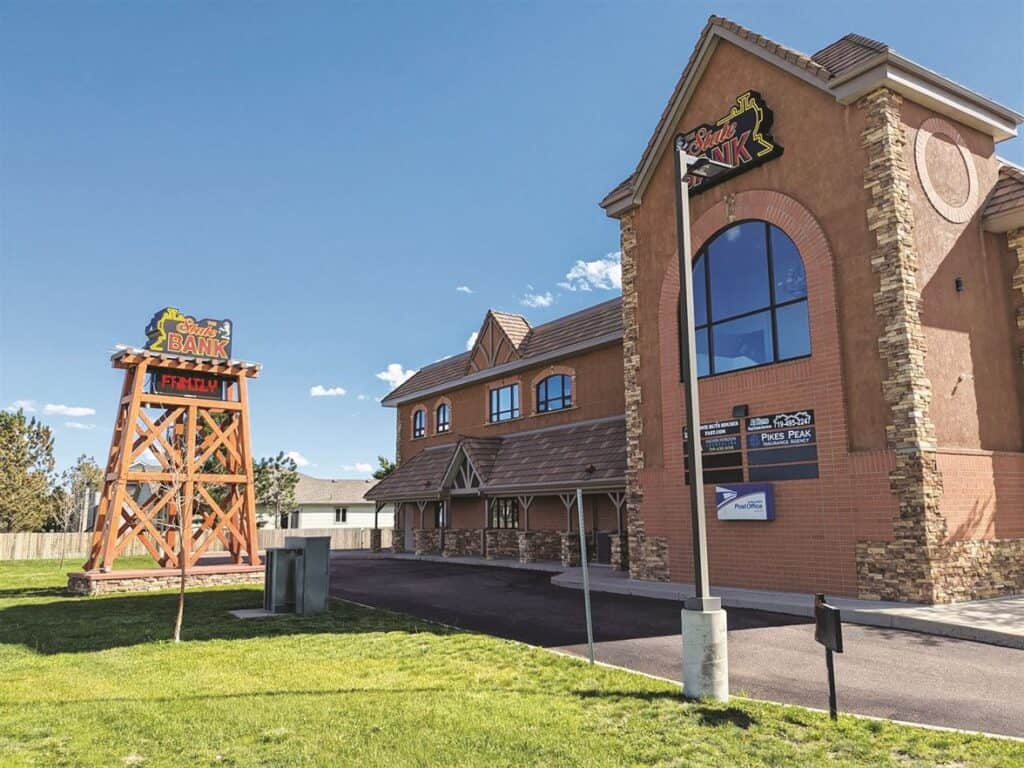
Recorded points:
416,478
561,456
515,326
556,458
587,324
848,52
1008,193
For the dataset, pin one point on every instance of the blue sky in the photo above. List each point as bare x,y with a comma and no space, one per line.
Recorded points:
327,176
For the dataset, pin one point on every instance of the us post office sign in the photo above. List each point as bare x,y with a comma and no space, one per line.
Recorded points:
745,501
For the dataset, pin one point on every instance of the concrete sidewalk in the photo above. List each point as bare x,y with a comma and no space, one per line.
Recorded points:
999,621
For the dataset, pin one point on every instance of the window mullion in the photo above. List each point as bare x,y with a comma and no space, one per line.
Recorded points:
771,290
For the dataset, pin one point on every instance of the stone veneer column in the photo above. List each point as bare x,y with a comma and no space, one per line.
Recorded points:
647,556
909,567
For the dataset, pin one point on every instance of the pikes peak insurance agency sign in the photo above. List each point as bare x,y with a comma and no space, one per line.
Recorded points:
171,331
741,138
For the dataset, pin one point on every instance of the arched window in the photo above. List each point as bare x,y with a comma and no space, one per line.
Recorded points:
750,299
554,393
419,423
443,417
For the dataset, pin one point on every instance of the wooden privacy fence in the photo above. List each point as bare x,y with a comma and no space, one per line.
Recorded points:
36,546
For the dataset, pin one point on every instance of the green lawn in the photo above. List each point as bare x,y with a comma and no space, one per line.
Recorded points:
94,681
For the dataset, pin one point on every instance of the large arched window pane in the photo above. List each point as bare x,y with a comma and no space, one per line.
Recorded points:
419,423
750,299
700,291
738,271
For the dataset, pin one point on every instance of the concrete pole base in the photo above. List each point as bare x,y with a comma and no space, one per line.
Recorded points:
705,655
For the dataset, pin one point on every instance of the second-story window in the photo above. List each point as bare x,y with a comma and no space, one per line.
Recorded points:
554,393
444,417
419,423
505,403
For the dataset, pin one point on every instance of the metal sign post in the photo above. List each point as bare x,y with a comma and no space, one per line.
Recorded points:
828,631
586,575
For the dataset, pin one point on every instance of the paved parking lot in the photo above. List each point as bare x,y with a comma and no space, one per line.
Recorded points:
885,673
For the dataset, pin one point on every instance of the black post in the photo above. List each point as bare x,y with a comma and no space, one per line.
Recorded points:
831,684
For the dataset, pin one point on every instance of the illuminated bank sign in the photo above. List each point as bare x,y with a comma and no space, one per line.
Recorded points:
745,501
171,331
741,139
187,384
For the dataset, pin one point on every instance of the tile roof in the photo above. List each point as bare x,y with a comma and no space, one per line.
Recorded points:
516,327
586,325
559,458
417,478
848,52
316,490
482,451
1008,193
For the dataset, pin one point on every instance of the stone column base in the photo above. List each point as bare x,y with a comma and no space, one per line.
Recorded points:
535,546
375,539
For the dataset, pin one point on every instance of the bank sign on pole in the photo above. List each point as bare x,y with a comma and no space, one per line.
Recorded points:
741,139
177,333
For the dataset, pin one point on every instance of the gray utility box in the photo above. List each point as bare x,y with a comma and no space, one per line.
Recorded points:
296,577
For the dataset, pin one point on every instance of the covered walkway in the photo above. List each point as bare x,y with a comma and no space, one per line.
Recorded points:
514,497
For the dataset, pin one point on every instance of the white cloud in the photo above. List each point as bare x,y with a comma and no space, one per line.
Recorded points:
78,425
379,399
395,374
604,274
321,391
360,466
28,406
463,289
298,458
360,397
537,299
471,340
68,410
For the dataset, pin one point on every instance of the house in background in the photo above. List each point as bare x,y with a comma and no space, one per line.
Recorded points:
325,503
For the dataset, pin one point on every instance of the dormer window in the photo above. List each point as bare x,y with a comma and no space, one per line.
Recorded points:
443,418
419,423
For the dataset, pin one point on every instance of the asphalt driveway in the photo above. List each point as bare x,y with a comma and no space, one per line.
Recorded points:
885,673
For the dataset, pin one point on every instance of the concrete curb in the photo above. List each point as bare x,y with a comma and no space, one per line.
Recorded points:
909,616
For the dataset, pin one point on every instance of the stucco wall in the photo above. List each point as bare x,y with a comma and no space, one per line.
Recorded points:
977,382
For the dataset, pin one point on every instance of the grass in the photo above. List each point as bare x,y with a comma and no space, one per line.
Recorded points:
95,682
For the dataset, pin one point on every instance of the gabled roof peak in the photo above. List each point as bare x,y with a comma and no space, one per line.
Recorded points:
847,69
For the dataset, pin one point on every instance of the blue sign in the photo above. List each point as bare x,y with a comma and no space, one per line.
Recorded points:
745,501
781,437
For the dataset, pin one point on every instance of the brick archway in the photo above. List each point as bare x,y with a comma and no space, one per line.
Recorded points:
799,224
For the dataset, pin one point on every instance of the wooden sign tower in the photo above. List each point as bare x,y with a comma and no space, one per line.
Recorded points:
179,474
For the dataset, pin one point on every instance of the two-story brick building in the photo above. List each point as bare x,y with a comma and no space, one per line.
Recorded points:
860,315
493,443
859,281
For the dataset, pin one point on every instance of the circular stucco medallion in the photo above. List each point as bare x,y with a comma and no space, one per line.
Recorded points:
946,170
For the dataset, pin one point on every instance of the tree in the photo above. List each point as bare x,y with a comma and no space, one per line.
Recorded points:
73,496
386,468
275,480
26,472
